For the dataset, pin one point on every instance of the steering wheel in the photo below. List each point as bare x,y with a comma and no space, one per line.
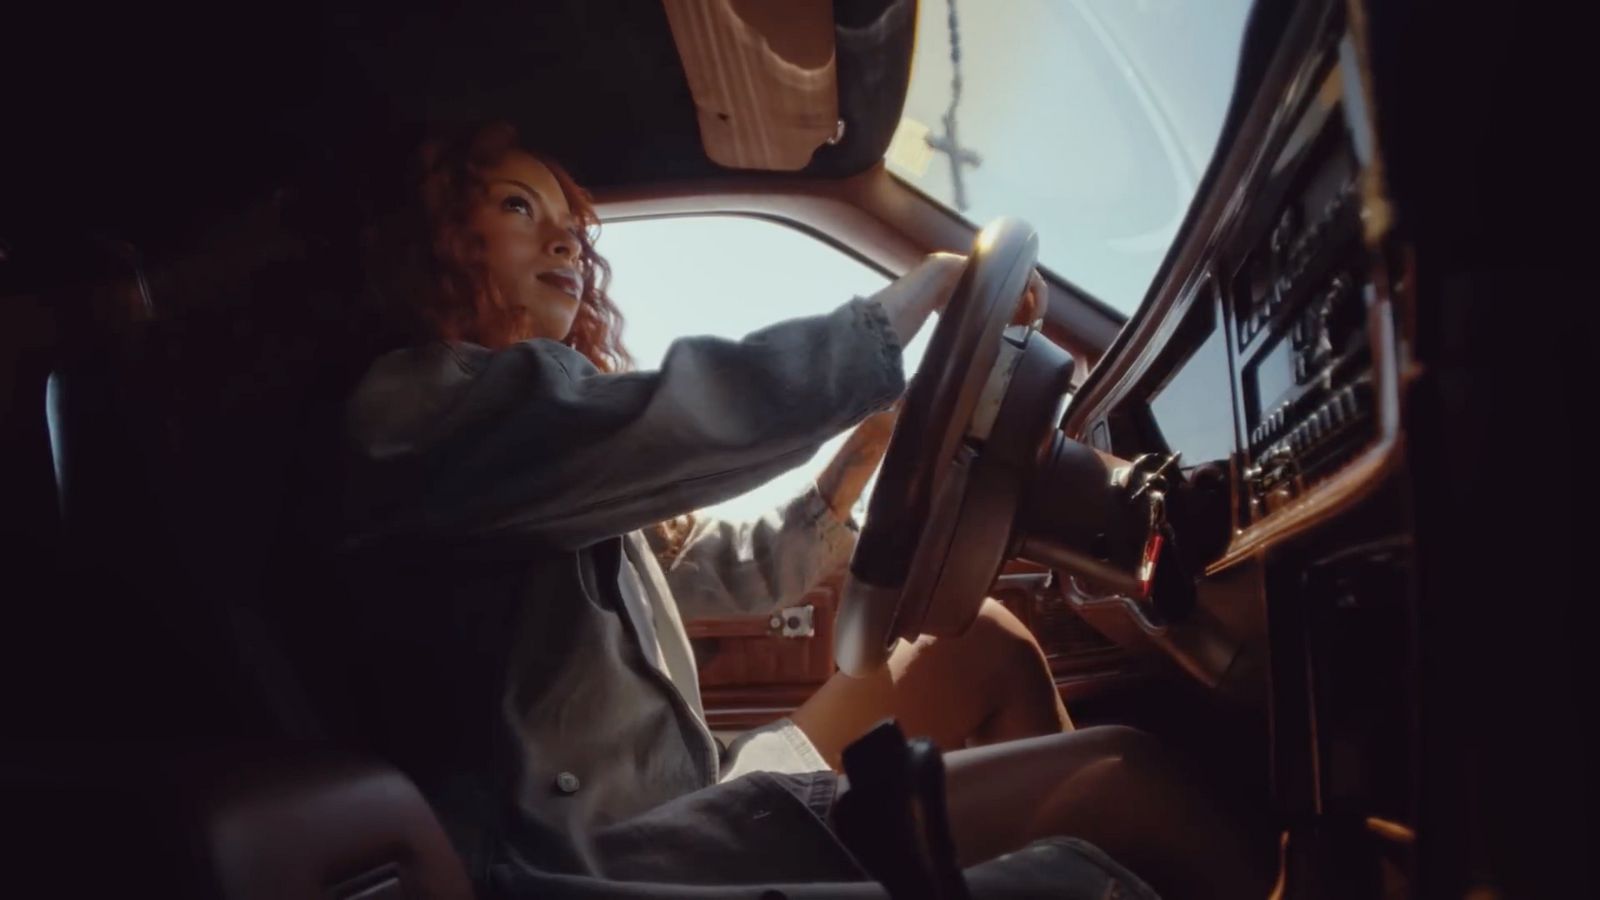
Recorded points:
934,493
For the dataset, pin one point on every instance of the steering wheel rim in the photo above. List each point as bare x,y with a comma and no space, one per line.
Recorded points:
910,516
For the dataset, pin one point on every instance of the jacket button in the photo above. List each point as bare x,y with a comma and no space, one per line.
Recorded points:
567,783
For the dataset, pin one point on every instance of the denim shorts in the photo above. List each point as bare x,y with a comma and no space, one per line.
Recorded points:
765,835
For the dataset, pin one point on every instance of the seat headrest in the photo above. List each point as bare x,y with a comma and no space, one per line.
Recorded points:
220,822
320,825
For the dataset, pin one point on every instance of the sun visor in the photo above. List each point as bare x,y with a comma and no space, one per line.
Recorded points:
764,77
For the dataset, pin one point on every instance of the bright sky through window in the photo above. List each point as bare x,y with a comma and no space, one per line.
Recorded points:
1092,119
728,276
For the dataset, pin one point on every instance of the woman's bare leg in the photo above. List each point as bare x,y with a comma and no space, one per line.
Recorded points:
1112,786
1115,788
990,684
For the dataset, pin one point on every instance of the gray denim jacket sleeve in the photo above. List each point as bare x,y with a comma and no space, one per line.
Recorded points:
461,442
753,567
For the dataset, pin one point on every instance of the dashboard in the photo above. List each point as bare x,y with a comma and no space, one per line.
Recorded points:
1273,355
1271,348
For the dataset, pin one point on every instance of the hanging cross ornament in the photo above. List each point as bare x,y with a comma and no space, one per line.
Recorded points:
947,142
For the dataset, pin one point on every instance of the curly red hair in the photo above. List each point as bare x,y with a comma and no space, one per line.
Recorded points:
431,283
438,279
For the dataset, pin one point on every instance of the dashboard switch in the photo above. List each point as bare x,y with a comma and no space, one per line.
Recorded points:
1347,402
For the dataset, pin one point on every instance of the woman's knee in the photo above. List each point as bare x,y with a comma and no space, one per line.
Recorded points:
999,622
1124,743
995,644
1008,649
1000,634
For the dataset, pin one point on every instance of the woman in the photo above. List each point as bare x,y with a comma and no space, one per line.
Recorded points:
518,648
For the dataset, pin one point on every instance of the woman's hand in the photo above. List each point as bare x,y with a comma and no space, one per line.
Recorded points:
911,298
926,289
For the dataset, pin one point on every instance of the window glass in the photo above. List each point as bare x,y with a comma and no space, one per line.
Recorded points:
1091,119
728,276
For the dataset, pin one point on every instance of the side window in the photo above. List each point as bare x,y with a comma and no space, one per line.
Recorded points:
728,276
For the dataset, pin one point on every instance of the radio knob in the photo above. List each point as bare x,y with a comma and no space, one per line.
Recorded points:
1278,498
1283,232
1360,398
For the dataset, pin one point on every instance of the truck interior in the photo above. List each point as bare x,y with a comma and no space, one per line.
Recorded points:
1341,581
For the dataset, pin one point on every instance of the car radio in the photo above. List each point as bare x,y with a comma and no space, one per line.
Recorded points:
1300,301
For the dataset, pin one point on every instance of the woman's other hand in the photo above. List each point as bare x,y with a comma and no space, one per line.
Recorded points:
1035,300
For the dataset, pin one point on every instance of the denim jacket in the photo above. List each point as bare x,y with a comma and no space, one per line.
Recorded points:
538,679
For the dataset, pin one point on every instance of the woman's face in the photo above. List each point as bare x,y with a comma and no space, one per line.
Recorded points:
530,248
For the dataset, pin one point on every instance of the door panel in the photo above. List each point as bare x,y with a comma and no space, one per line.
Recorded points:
750,675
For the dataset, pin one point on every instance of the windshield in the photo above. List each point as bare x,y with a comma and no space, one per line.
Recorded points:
1091,119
